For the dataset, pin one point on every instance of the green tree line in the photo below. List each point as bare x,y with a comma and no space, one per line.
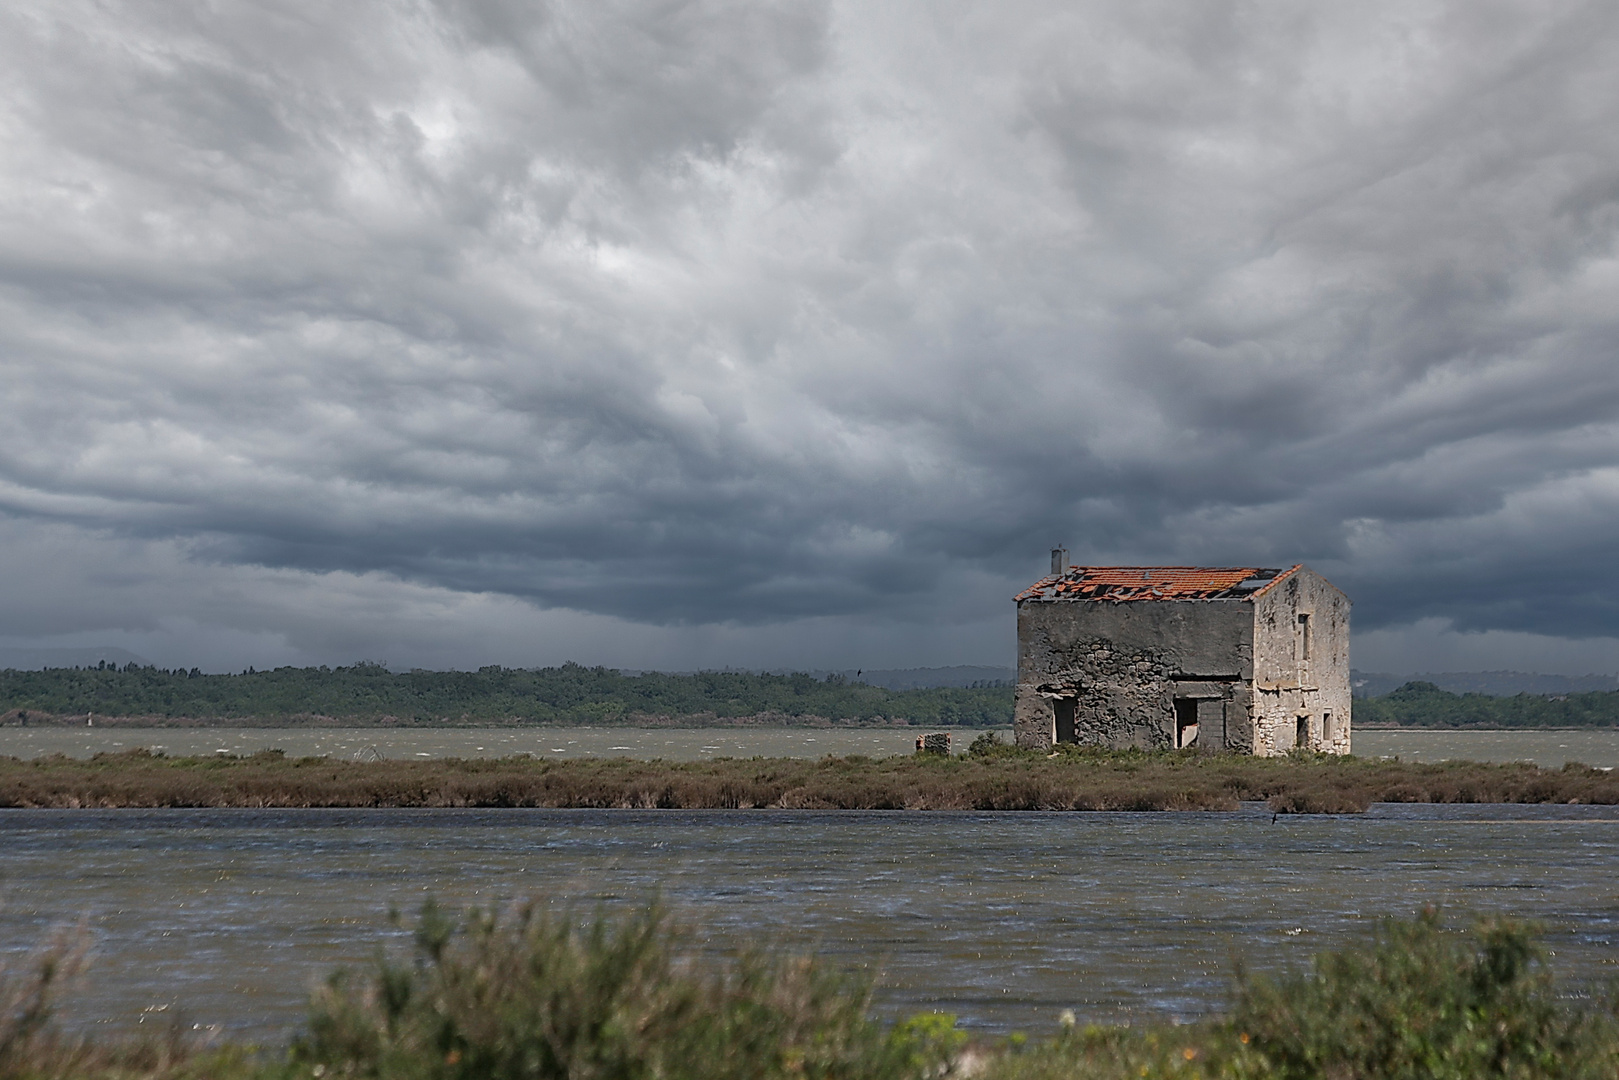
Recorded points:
575,694
1422,704
570,694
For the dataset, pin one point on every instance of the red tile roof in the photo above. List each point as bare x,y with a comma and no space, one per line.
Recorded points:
1122,583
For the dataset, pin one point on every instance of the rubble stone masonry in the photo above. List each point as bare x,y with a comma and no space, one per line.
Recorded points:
1239,673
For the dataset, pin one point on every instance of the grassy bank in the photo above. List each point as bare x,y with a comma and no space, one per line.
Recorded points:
994,777
533,996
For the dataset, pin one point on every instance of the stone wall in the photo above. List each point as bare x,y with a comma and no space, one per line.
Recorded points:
1122,665
1292,683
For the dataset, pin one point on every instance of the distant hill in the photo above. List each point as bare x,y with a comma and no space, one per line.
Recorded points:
960,676
1369,684
929,678
40,659
570,694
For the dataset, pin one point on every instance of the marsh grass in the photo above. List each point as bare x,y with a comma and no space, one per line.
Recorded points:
994,777
33,1047
27,991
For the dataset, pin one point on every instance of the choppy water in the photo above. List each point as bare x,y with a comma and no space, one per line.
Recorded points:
1549,748
673,744
1553,748
1004,919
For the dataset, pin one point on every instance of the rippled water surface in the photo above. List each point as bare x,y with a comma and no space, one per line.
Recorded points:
1004,919
1600,748
672,744
1552,748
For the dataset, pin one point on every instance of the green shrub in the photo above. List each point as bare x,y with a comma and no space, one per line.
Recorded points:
985,744
27,993
1421,1002
541,996
33,1048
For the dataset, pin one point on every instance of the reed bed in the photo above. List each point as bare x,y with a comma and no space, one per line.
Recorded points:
994,777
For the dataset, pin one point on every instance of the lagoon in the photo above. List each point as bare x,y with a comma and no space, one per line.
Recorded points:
1002,918
1548,748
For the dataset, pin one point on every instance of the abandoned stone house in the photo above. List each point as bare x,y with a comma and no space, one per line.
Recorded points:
1243,659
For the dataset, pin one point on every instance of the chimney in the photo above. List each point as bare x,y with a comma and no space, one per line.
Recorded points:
1059,561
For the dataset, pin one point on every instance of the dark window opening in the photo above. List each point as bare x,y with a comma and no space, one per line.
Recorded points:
1304,637
1185,722
1327,732
1064,709
1302,737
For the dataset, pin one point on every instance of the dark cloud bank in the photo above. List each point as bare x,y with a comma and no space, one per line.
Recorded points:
702,333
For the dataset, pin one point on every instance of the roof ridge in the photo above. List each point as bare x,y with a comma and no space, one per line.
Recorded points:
1161,582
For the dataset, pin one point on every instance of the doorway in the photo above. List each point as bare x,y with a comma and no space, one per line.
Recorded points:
1185,722
1064,710
1301,737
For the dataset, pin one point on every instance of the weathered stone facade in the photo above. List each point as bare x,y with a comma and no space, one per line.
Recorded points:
1241,659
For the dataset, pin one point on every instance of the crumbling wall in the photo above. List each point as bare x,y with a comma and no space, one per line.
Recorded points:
1123,664
1120,697
1293,683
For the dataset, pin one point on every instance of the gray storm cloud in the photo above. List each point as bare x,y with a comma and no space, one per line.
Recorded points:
799,315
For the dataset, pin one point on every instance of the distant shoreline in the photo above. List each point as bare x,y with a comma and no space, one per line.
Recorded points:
631,723
699,721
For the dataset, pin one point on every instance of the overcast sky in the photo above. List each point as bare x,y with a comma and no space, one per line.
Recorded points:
665,334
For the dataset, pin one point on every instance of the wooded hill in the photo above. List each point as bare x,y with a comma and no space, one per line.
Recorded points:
570,694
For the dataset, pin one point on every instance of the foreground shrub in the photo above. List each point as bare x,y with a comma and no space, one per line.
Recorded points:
1423,1002
1419,1002
28,1041
32,1047
27,991
539,996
